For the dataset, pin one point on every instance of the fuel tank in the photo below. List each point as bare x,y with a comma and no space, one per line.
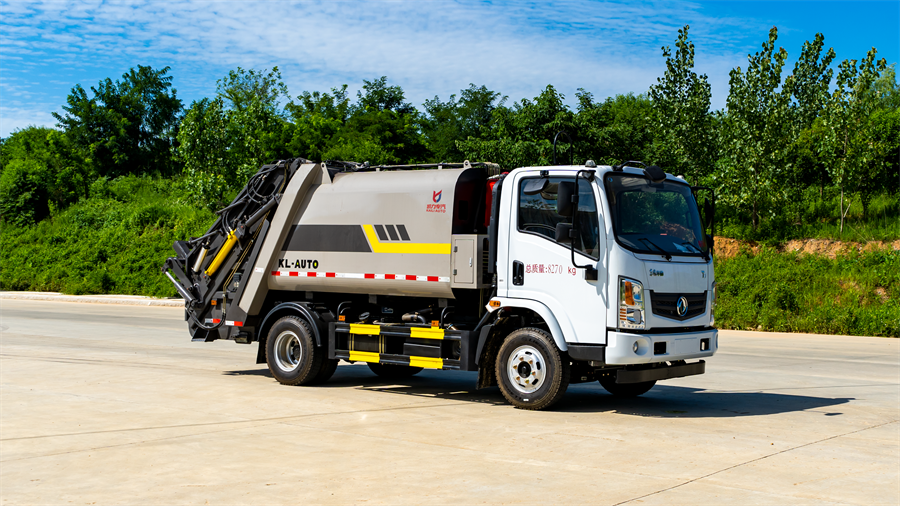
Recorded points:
384,232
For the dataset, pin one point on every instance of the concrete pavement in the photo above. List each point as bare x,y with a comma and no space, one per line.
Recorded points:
114,405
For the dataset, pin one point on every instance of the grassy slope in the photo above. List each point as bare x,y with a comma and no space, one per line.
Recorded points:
855,294
113,242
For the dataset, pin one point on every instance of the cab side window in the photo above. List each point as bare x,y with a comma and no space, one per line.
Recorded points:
537,215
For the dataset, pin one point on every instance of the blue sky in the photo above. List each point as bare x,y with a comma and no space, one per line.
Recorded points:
428,47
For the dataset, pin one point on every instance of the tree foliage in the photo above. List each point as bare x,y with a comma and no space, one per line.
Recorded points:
224,140
755,134
847,146
40,172
127,126
682,125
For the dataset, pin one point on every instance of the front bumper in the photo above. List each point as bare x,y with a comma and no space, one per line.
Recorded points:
625,348
659,373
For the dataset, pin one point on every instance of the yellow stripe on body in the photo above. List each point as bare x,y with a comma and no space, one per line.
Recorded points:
404,247
426,362
364,356
368,330
426,333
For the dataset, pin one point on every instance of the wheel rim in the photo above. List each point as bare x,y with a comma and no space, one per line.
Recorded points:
526,369
288,351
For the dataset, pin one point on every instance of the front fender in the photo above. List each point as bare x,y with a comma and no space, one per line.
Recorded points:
538,307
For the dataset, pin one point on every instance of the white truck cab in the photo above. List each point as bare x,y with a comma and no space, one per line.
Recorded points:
648,292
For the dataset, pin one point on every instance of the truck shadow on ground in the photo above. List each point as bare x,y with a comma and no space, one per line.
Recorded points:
662,401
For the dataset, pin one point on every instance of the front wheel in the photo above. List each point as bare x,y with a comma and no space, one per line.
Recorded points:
531,371
625,389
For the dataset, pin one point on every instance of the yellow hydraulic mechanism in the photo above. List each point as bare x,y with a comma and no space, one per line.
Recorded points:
223,252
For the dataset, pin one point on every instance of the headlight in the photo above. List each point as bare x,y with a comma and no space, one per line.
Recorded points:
712,306
631,304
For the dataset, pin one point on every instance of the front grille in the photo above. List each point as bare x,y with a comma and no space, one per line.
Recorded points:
665,304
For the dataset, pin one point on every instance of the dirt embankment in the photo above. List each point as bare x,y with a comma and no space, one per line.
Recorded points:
727,248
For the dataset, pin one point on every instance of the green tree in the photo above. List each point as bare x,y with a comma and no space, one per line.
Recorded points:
446,122
886,88
615,130
128,126
223,141
755,135
522,135
808,85
45,174
244,89
884,129
810,81
683,136
381,128
316,118
847,145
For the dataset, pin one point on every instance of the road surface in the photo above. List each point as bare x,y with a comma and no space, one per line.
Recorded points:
114,405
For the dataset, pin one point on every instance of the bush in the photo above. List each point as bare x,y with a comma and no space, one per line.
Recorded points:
24,191
112,242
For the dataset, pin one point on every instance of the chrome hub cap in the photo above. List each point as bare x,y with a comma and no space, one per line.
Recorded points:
526,369
287,351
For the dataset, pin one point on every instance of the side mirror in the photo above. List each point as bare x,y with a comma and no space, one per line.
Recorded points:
566,199
707,212
535,186
564,233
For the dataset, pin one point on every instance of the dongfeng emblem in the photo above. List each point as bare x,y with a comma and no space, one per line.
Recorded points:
682,306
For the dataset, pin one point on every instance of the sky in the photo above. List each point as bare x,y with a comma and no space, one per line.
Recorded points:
429,48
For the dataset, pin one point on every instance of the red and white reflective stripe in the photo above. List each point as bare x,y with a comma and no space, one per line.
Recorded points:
233,323
212,320
354,275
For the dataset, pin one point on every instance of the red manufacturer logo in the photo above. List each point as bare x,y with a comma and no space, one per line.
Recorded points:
436,208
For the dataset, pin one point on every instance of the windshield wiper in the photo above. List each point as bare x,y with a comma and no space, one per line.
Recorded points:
704,253
651,243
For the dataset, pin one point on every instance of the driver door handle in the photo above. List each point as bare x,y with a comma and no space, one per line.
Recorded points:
518,273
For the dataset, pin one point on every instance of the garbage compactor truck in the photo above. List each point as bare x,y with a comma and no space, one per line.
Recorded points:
536,278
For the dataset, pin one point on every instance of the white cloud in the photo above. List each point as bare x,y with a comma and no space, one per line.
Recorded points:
429,48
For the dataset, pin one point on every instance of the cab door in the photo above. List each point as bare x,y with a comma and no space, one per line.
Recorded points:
541,269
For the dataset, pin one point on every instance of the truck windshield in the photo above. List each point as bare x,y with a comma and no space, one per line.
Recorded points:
660,218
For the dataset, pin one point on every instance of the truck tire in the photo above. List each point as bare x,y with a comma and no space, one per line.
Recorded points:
389,371
625,389
530,369
291,352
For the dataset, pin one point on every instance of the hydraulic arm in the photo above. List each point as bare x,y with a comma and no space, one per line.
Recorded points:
204,266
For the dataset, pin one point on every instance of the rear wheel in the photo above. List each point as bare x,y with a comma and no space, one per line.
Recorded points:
625,389
291,352
393,371
530,369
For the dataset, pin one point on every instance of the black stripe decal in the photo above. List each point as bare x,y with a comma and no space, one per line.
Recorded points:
403,234
392,232
339,238
380,231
